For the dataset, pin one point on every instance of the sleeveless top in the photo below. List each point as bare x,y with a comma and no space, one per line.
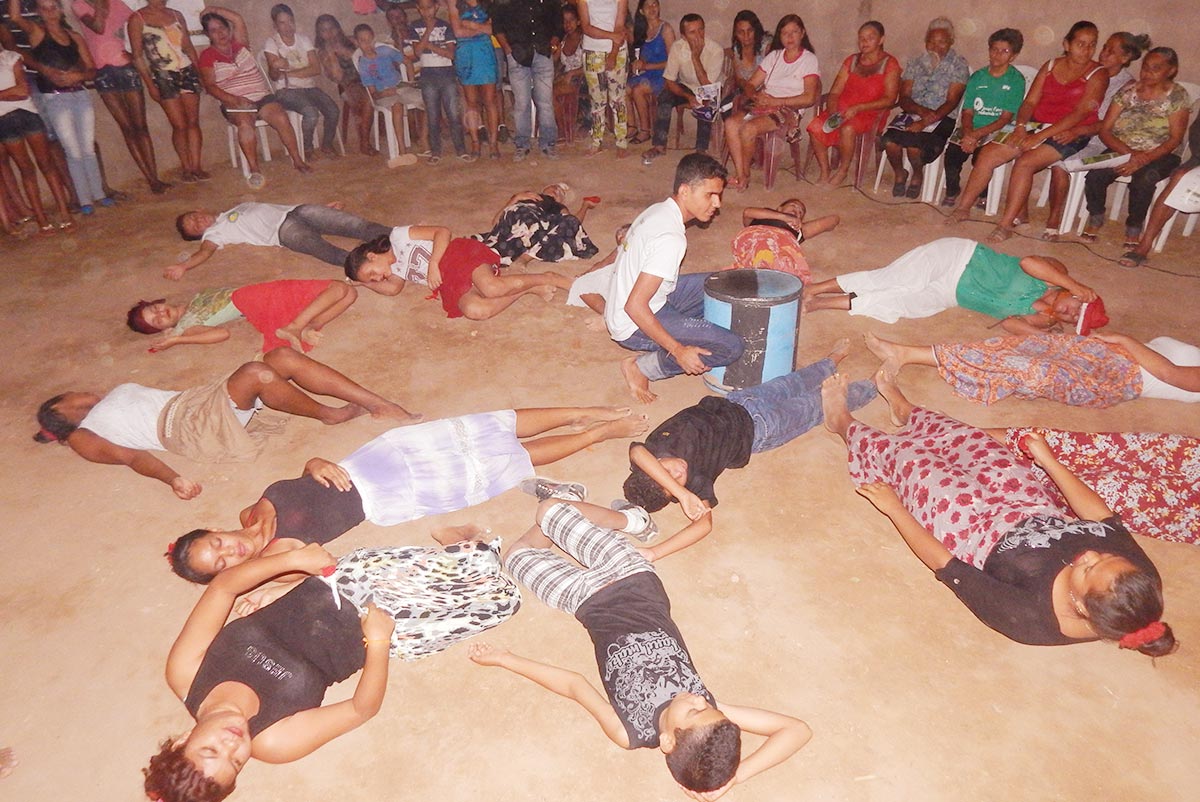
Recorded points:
288,653
654,50
312,513
60,57
1059,99
350,76
163,47
603,14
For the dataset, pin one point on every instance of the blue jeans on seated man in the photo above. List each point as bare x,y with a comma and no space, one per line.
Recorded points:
534,82
683,318
788,406
668,101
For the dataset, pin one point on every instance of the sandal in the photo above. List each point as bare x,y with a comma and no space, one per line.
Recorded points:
999,234
1132,259
1091,235
1050,235
913,191
640,136
898,189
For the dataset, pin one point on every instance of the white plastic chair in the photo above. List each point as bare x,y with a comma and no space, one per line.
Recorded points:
294,117
1000,175
236,157
931,176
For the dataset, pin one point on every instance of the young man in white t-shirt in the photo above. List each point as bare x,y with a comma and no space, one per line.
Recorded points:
298,228
293,69
651,308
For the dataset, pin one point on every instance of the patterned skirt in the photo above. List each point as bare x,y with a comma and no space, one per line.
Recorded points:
963,486
437,597
543,229
1079,371
1151,480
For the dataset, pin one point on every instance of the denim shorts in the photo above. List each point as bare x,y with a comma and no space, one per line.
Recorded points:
1071,148
20,123
118,79
173,83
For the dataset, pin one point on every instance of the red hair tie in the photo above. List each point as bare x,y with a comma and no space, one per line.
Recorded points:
1147,634
170,553
48,435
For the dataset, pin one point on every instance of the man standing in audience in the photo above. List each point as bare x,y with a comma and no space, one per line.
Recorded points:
530,32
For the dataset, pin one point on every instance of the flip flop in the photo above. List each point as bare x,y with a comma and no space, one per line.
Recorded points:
1132,259
913,191
898,189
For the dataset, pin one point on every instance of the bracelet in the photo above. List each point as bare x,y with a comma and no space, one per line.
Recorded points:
367,642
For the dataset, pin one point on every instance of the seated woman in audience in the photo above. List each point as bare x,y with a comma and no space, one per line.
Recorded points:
570,87
1051,125
1096,372
1150,479
1119,51
750,45
288,312
1146,122
865,88
292,65
232,76
63,66
412,602
989,529
538,225
21,125
475,65
787,82
990,102
1030,294
1184,182
402,475
211,423
335,52
117,80
770,238
163,53
931,88
652,38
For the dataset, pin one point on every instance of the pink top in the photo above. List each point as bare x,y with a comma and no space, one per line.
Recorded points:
1059,99
108,48
238,75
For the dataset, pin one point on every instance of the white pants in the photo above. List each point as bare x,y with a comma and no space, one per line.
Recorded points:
920,283
1181,354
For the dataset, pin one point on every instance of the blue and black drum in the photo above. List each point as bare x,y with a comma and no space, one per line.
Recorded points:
763,307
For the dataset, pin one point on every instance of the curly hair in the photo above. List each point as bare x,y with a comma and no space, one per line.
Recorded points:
643,491
705,758
171,777
177,556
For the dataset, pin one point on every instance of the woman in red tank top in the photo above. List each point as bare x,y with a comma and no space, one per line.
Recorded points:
1064,97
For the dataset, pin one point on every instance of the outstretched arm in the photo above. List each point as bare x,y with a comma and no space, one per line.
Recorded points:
195,335
95,448
928,548
785,737
202,255
568,684
1086,502
1185,377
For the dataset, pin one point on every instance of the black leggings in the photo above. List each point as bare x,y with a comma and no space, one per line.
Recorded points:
1141,188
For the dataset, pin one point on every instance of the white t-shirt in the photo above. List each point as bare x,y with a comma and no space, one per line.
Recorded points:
10,60
655,245
784,79
128,416
603,15
596,282
296,55
1182,354
248,224
412,255
681,69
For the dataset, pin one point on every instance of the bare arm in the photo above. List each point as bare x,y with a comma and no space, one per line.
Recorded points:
568,684
95,448
1085,502
202,255
691,534
693,506
638,309
440,236
928,549
33,30
1184,377
1064,130
785,737
240,34
99,16
1052,272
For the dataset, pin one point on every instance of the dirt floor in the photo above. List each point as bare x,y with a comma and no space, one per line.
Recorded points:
804,599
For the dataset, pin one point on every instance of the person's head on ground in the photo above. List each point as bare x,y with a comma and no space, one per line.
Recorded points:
939,36
364,37
58,417
1003,47
1159,68
703,747
648,494
620,234
284,20
791,35
794,207
691,28
203,764
560,191
192,225
1121,602
201,554
1080,42
748,33
371,260
699,182
1122,49
152,317
870,37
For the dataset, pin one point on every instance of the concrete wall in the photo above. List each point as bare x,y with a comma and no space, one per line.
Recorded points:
832,28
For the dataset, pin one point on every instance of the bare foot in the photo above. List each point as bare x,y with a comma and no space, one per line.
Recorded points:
999,234
449,535
395,412
958,216
636,381
8,761
334,415
899,407
838,178
292,337
886,350
302,167
312,337
545,292
629,426
589,415
841,350
833,404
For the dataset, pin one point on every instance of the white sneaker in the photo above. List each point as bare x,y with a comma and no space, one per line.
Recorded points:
644,531
548,488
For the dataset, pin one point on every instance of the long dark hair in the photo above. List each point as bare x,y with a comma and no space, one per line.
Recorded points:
343,40
641,26
1130,608
787,19
760,33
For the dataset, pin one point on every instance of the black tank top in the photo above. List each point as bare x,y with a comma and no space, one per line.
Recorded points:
60,57
311,513
288,653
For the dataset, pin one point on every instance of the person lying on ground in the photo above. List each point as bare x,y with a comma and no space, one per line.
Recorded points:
210,423
538,225
770,238
590,288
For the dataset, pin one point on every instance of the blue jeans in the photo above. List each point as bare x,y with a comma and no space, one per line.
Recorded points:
312,104
683,318
306,226
536,80
73,119
439,85
788,406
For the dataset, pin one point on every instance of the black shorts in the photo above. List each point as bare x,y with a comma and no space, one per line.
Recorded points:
20,123
118,79
173,83
930,143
